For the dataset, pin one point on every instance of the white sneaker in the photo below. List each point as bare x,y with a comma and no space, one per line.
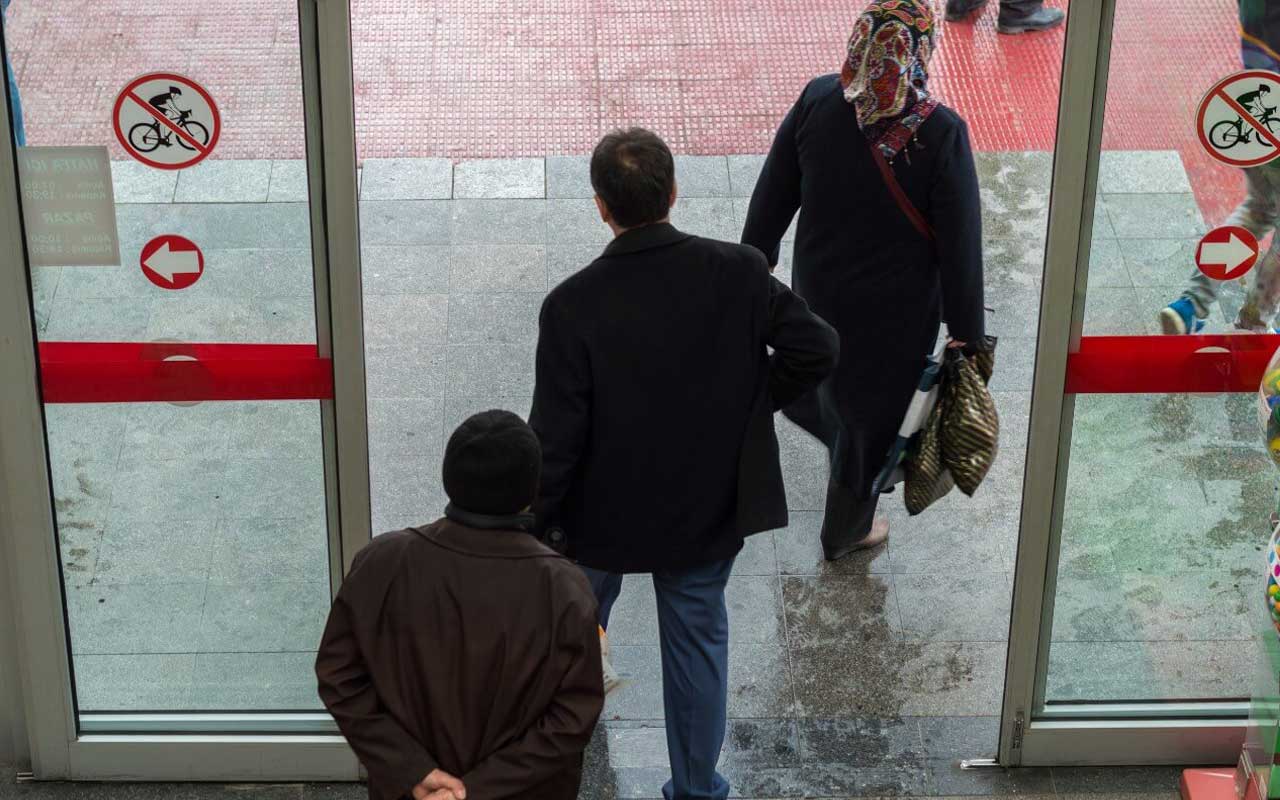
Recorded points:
612,680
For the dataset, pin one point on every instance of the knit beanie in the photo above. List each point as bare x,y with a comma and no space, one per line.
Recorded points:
492,464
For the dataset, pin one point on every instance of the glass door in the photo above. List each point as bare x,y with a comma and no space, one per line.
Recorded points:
182,301
1140,589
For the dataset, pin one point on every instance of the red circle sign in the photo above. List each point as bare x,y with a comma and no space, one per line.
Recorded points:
172,262
166,121
1227,253
1228,121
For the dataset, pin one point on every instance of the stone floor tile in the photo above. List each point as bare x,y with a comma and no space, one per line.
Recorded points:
97,283
500,369
406,428
44,287
1013,263
948,779
835,780
498,268
759,683
292,550
335,791
899,679
702,176
477,221
576,222
92,432
564,260
969,607
838,609
743,173
1155,216
1192,606
1015,312
418,222
273,488
204,318
955,532
97,320
407,179
861,741
1117,312
155,553
758,556
1160,263
406,491
403,269
1107,266
217,226
954,738
500,178
191,488
132,619
1127,671
457,408
133,682
82,490
407,320
1141,781
79,545
569,177
161,431
289,182
405,371
1142,172
277,272
799,551
277,429
1092,608
263,617
135,182
494,318
755,615
1015,364
709,217
255,682
224,181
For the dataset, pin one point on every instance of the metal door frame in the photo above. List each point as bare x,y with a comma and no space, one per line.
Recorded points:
60,746
1210,733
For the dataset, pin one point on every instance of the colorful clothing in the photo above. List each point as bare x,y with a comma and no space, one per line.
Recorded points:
15,104
886,75
1260,34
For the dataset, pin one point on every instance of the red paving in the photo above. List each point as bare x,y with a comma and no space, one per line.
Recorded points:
487,78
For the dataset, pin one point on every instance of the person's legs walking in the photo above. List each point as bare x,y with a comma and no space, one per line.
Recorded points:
693,625
1256,213
849,523
1022,16
606,586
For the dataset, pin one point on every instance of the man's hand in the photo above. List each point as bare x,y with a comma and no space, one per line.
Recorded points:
440,785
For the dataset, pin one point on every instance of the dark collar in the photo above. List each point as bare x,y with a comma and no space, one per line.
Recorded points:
490,522
648,237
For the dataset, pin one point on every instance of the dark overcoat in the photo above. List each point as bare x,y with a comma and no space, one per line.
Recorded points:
655,398
470,650
865,269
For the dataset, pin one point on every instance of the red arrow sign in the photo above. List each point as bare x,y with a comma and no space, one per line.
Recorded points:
172,262
1227,253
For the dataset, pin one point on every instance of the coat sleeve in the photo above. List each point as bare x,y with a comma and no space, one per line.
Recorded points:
556,741
777,194
805,348
957,221
394,758
561,413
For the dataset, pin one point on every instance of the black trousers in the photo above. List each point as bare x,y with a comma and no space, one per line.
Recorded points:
1009,9
847,520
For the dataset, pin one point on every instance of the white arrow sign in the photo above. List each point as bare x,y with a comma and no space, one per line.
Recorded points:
1230,254
167,262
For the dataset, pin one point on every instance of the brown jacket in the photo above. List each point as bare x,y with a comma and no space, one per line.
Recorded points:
468,649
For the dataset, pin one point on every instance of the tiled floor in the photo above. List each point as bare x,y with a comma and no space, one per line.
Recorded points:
195,558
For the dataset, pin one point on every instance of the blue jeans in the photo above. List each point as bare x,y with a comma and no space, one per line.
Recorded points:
693,626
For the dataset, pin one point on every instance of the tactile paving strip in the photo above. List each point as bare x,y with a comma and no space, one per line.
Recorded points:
492,78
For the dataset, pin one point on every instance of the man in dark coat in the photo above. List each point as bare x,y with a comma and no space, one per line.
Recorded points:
654,402
462,659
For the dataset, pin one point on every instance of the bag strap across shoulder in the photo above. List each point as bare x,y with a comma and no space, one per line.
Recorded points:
900,197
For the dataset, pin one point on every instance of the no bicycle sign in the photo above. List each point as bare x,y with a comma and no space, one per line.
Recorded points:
166,121
1237,121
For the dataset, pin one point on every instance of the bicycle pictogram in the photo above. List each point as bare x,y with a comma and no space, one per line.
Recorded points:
166,121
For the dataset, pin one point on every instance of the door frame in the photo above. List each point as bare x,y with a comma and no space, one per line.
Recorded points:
307,746
1089,733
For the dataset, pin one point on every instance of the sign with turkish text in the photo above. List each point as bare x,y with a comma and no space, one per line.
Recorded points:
68,206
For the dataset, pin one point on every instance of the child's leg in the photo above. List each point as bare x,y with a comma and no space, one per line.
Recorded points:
1261,302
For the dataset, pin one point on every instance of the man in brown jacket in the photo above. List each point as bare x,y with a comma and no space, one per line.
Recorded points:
462,660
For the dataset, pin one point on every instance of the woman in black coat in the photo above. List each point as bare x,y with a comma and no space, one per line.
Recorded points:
884,270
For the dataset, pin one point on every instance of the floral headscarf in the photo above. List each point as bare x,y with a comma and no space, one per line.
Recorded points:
886,76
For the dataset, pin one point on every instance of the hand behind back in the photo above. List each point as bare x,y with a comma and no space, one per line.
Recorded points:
440,785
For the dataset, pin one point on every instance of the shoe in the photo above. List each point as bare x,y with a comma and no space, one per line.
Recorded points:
612,680
957,10
1042,19
1250,320
878,535
1180,317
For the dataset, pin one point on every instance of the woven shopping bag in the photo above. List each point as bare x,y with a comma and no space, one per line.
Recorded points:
970,425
